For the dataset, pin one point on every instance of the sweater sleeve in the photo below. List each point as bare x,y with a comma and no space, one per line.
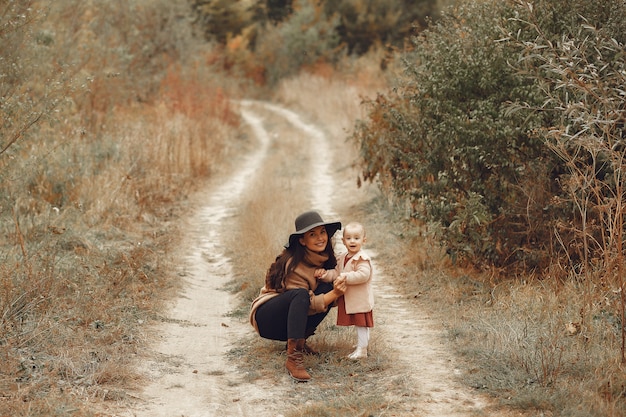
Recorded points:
330,275
361,273
316,303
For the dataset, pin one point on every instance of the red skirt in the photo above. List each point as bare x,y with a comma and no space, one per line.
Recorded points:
356,319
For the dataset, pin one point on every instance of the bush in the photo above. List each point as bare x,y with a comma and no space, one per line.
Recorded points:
302,40
448,141
448,146
365,23
581,74
268,40
221,20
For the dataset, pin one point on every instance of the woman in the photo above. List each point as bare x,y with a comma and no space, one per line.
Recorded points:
293,302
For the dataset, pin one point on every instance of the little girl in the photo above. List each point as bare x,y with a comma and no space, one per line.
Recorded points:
354,308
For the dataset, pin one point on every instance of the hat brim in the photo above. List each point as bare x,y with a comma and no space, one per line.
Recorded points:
331,229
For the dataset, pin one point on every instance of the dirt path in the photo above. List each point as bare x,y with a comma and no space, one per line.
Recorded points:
188,372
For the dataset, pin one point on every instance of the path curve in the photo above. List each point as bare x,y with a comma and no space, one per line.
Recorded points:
323,185
189,374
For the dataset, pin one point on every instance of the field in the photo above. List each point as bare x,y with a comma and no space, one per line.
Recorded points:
116,122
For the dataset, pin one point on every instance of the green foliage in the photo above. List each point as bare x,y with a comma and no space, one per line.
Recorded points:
287,35
447,140
457,157
223,19
581,75
300,41
365,23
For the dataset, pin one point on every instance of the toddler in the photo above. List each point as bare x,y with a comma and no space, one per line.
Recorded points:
355,307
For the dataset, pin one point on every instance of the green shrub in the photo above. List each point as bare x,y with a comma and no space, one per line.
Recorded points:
286,35
299,41
458,158
581,74
447,141
365,23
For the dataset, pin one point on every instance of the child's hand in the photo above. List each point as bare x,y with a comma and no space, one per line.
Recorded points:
340,286
319,273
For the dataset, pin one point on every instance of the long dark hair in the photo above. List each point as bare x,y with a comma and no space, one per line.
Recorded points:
289,258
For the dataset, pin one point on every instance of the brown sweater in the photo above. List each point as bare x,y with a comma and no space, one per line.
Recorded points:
301,277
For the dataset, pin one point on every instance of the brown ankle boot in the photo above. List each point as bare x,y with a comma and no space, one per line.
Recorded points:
295,360
307,348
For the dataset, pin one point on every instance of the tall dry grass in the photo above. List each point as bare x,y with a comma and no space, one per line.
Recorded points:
86,261
535,346
90,194
332,96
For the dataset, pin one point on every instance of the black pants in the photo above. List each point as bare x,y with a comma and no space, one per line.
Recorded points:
286,315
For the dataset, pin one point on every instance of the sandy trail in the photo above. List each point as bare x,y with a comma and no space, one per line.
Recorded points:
189,374
423,354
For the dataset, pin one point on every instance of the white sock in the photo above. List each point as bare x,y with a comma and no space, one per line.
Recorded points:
363,336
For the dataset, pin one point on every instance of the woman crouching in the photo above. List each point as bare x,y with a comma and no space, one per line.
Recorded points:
292,303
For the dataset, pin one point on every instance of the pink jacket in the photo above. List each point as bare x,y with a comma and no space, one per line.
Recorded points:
358,271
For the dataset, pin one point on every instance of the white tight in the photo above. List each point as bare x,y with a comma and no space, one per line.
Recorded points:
363,336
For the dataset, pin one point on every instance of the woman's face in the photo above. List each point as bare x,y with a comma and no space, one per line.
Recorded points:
315,239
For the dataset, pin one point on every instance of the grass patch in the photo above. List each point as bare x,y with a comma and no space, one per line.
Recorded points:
534,346
91,197
548,346
339,386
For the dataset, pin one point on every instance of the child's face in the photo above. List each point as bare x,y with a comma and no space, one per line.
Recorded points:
353,239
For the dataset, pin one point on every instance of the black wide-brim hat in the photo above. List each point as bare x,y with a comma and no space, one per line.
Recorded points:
310,220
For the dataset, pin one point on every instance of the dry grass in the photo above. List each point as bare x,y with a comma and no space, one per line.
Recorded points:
540,347
332,97
81,278
341,387
89,198
535,346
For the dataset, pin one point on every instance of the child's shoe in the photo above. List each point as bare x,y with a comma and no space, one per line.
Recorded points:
359,353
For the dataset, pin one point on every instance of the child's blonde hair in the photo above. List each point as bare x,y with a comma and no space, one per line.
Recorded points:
355,225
